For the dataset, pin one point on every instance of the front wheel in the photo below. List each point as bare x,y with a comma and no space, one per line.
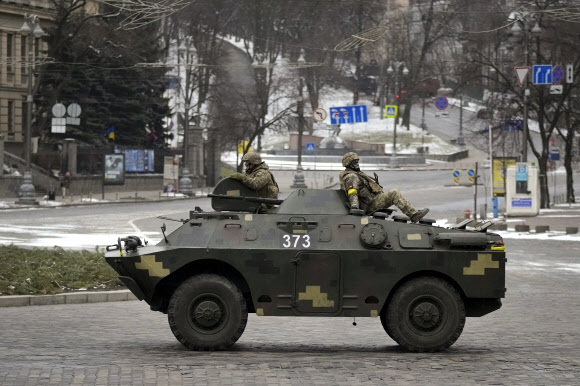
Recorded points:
207,312
425,314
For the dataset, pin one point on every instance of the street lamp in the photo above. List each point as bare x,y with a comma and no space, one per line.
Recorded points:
390,71
185,182
298,182
26,191
536,31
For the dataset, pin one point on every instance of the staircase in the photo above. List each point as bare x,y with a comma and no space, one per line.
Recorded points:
41,178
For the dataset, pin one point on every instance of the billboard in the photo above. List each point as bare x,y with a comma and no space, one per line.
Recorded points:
114,169
500,165
138,160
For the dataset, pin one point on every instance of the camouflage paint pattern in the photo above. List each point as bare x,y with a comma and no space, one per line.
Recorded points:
307,258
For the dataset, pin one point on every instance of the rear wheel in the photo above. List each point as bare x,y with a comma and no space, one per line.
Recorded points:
207,312
425,314
383,317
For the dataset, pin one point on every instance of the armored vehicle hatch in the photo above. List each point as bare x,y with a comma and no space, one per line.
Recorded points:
310,256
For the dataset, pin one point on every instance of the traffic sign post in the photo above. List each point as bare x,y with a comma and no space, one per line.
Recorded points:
441,103
542,74
391,111
521,73
456,175
348,114
320,114
558,74
569,73
556,89
470,175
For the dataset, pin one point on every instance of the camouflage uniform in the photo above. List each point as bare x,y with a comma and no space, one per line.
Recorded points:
262,181
365,193
258,178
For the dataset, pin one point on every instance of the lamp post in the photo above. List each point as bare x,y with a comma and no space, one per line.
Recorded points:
30,28
536,31
423,126
185,182
390,71
299,176
460,138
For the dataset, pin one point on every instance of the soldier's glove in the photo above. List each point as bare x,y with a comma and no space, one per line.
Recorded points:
237,176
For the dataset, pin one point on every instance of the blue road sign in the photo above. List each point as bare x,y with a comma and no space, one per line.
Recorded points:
542,74
512,125
391,112
558,74
456,173
310,146
348,114
441,103
470,173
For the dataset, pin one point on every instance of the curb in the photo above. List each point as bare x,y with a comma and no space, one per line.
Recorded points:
99,203
67,298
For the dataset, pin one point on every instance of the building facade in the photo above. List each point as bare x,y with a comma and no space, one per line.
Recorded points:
14,66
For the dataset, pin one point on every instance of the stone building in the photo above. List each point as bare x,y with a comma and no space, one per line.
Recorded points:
14,66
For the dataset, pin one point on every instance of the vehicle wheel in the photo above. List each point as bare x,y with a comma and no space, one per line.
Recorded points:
425,315
383,317
207,312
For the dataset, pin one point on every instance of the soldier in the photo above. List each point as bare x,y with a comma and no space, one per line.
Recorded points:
258,177
364,192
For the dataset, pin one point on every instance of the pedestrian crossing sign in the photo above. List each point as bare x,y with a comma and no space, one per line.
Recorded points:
390,111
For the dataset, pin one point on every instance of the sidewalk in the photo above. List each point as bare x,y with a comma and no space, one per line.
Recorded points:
110,198
561,222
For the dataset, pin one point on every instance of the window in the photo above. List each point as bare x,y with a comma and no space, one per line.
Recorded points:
24,113
9,52
23,53
10,117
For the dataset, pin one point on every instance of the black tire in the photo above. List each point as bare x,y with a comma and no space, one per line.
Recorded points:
426,314
383,317
207,312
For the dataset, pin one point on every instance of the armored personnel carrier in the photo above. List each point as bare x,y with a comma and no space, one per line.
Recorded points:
310,255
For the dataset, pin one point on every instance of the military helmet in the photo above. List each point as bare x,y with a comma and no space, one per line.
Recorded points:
253,158
348,158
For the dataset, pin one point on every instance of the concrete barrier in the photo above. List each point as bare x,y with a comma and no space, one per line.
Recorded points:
499,226
522,228
542,228
571,230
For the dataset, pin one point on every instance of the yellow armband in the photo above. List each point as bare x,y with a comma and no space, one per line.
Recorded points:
352,191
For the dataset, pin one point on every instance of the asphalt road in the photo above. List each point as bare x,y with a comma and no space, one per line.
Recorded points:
532,340
84,227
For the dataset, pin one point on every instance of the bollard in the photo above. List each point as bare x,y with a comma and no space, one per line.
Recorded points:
571,230
495,215
542,228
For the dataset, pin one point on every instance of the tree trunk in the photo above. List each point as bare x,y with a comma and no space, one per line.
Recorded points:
568,164
544,191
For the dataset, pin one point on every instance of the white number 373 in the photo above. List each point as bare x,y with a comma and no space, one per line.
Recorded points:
296,241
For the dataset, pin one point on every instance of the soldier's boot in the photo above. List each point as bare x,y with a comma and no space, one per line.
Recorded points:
419,215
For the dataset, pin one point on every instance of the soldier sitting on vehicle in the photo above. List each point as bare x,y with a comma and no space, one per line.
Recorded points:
258,178
364,192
